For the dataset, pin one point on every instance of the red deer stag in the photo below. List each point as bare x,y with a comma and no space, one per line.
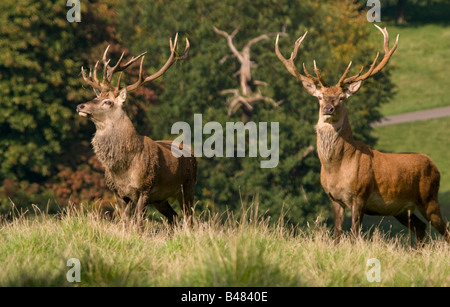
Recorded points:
138,170
357,177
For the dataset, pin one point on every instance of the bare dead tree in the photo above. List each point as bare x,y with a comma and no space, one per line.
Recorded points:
246,96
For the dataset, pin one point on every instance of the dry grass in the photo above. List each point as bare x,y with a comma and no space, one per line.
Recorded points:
217,250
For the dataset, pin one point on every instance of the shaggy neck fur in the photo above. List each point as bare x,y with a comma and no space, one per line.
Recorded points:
116,142
333,139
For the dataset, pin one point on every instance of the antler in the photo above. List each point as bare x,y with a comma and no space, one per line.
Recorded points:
109,71
372,70
172,59
289,63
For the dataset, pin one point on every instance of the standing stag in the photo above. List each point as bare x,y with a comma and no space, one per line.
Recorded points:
138,170
357,177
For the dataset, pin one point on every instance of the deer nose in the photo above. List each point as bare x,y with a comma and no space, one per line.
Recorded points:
328,110
80,107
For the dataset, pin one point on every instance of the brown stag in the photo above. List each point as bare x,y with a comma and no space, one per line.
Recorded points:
138,170
357,177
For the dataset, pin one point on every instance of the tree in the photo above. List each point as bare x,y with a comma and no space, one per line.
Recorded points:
44,147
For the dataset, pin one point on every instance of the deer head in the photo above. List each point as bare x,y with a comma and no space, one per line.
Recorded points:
332,98
109,101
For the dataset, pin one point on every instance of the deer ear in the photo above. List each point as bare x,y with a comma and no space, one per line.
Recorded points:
122,95
310,87
353,88
97,92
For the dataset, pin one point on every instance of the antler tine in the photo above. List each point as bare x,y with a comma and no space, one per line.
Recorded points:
319,76
95,73
106,78
289,63
175,42
186,51
172,59
341,80
307,73
94,83
110,71
374,69
118,81
298,42
317,80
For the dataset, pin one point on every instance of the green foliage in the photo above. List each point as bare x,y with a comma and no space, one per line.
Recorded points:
337,33
40,58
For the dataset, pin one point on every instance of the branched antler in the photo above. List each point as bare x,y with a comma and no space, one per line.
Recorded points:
290,66
109,71
372,70
343,81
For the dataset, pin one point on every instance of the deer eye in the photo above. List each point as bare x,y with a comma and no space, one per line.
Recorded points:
107,102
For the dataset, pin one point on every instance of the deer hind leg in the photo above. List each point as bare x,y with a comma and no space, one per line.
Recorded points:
124,207
165,209
415,225
141,209
432,213
186,199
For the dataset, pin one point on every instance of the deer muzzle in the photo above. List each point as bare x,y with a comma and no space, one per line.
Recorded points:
328,110
81,111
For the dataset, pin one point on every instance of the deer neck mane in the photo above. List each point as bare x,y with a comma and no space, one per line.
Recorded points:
116,142
334,139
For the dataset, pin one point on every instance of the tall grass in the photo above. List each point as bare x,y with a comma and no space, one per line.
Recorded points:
216,250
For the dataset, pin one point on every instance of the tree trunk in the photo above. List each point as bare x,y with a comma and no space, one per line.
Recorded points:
400,17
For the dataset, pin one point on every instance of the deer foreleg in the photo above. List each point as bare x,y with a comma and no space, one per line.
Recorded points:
338,219
141,208
357,217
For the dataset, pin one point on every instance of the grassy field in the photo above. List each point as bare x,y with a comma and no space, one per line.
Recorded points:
419,68
215,251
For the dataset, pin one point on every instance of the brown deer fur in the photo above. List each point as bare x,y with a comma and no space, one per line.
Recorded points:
139,170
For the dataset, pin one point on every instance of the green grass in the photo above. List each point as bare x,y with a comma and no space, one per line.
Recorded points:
420,68
213,252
